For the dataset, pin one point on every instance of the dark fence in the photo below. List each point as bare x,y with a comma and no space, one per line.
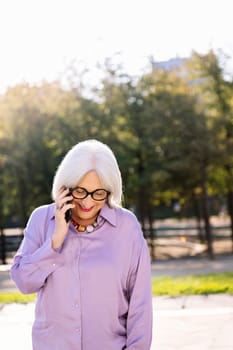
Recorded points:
164,241
182,241
9,243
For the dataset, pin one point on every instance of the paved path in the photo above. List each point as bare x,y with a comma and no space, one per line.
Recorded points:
183,323
187,323
190,266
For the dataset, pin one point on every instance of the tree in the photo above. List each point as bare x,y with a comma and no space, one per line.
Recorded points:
38,128
217,91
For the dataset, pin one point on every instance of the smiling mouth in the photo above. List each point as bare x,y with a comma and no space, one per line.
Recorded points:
85,210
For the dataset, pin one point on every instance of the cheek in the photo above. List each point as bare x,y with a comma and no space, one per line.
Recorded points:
100,205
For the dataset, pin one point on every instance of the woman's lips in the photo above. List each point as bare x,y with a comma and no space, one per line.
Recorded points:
85,210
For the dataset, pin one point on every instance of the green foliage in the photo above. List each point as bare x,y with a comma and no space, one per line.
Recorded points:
167,128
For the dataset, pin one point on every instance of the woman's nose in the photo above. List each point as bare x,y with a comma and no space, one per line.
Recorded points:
88,200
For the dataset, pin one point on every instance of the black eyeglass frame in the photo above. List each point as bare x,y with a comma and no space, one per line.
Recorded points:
90,193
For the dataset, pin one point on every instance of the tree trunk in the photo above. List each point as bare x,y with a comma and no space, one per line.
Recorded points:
197,211
152,233
141,199
206,217
3,246
22,199
230,212
142,214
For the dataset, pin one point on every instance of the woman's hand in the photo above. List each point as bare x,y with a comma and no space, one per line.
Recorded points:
63,203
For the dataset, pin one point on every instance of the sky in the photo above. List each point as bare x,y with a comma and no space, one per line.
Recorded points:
40,38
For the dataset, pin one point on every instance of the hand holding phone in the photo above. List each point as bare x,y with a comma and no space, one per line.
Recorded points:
61,228
68,213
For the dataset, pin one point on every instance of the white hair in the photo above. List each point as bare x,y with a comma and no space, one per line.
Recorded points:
84,157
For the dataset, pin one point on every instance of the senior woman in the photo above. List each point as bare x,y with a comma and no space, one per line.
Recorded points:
86,258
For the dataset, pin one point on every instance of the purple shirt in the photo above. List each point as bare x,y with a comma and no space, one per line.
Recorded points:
94,293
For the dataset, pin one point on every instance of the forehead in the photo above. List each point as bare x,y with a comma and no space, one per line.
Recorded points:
90,181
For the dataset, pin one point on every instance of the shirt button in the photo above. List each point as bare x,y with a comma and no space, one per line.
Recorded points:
76,305
54,264
77,329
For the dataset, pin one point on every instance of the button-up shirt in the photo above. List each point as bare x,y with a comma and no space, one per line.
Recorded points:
94,293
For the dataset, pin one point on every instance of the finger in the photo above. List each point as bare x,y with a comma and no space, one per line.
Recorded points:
67,206
63,191
63,198
65,203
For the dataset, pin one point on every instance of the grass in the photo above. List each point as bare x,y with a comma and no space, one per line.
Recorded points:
170,286
193,284
16,297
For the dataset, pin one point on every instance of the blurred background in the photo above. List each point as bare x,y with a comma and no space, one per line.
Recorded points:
153,80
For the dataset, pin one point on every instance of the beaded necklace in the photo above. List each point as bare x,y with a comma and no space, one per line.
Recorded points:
82,228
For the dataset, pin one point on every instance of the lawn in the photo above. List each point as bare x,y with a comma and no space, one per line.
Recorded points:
170,286
193,284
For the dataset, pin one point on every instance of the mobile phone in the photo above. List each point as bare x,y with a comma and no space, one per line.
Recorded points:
68,213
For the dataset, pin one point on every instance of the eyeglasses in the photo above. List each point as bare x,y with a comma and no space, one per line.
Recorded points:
81,193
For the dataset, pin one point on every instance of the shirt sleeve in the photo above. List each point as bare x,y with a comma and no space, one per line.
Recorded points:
139,321
35,259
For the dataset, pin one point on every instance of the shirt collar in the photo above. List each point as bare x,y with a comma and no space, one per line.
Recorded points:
108,214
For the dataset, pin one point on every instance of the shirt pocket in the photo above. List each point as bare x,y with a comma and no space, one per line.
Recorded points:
43,337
